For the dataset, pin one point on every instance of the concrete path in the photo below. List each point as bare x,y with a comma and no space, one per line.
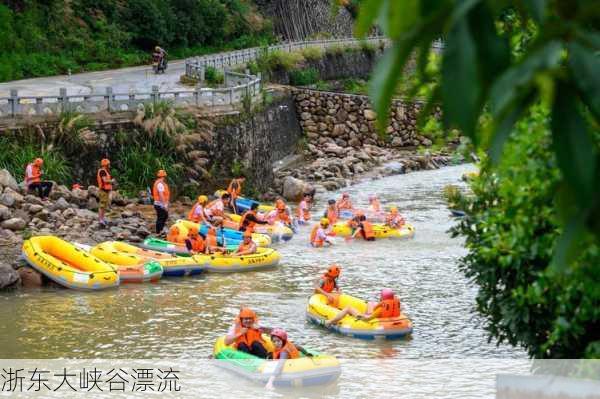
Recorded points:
140,79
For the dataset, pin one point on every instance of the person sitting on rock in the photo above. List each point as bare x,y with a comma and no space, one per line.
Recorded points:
217,207
247,247
394,219
331,213
344,203
303,211
246,335
319,236
196,243
197,213
33,179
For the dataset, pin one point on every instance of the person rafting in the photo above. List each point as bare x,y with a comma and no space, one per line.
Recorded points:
173,234
33,179
332,212
344,203
105,186
246,335
319,236
393,219
235,190
364,228
303,211
217,207
374,204
284,350
196,243
197,214
247,247
215,231
250,219
161,195
387,307
328,286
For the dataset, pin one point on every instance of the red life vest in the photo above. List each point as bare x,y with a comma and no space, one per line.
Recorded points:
248,224
198,243
329,284
251,336
367,228
390,307
102,185
36,174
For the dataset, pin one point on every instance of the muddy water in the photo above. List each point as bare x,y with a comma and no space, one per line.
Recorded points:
180,318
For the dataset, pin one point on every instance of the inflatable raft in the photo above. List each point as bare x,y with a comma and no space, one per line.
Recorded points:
380,230
264,258
158,245
305,371
67,265
229,235
244,204
276,232
318,311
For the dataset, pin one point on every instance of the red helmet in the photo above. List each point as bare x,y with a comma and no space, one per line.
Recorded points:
279,333
387,293
105,162
334,271
247,313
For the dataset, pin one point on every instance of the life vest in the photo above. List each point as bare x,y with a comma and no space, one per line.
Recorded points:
395,221
353,224
314,239
390,307
248,224
329,284
173,235
332,215
215,209
283,217
194,216
166,193
198,244
33,174
344,204
102,185
245,247
367,228
235,191
302,212
290,348
251,336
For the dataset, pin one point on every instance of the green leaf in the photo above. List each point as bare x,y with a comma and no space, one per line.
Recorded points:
585,68
567,245
573,145
460,81
368,12
537,8
461,10
520,77
503,130
397,17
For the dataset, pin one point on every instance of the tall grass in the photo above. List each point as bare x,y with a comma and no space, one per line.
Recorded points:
14,157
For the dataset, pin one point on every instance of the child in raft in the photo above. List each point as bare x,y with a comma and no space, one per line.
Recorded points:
394,219
247,247
388,306
363,227
284,350
327,285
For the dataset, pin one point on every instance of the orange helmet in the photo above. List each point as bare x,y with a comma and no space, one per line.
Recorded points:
394,210
247,313
38,162
104,162
334,271
161,173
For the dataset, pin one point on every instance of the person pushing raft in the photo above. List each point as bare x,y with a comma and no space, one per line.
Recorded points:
362,227
319,235
332,212
250,219
216,209
387,307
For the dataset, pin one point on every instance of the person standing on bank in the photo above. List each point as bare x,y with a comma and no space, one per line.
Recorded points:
105,186
161,196
33,179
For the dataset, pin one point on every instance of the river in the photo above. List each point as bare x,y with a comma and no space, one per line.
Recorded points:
180,318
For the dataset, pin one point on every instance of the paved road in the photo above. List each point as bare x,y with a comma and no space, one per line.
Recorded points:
123,80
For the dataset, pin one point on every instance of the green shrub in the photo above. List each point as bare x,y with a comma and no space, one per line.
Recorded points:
313,53
15,156
213,76
335,49
274,60
368,48
304,77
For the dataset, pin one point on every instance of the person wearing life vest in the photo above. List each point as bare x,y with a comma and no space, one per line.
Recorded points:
247,247
365,229
374,204
284,350
394,219
173,235
250,219
303,211
215,231
197,214
105,186
388,307
319,235
328,285
246,335
235,191
33,179
282,214
344,203
161,195
195,242
332,212
217,207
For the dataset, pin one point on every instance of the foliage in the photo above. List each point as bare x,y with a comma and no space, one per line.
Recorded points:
278,59
454,197
507,55
161,119
512,229
312,53
50,37
72,128
15,156
213,76
304,76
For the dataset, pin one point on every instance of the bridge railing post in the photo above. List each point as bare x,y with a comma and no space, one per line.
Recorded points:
14,102
154,95
64,100
109,99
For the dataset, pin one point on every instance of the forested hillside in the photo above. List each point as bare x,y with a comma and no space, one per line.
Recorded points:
47,37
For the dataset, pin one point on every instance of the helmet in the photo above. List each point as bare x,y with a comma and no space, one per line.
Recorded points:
279,333
334,271
104,162
325,222
161,173
38,162
387,293
203,199
394,209
247,313
331,202
156,48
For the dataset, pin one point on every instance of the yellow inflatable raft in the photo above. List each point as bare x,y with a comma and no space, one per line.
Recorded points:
318,311
381,230
264,258
67,265
319,369
275,231
262,240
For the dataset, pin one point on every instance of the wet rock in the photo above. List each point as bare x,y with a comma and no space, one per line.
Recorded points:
393,168
294,188
10,198
14,224
34,208
60,205
9,278
30,278
4,213
7,180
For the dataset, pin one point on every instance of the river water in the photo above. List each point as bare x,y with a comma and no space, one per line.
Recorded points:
181,318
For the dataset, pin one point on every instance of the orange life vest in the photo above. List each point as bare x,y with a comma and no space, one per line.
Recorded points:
251,336
245,247
248,224
166,193
36,174
290,348
198,244
353,224
390,308
211,237
193,216
344,204
314,240
329,284
102,185
235,191
396,221
303,214
367,228
283,217
332,215
173,235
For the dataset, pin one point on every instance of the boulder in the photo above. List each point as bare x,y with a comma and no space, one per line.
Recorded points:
59,191
7,180
93,191
14,224
117,199
4,213
61,204
34,208
294,188
69,213
33,200
9,278
11,198
369,115
393,168
30,278
92,203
